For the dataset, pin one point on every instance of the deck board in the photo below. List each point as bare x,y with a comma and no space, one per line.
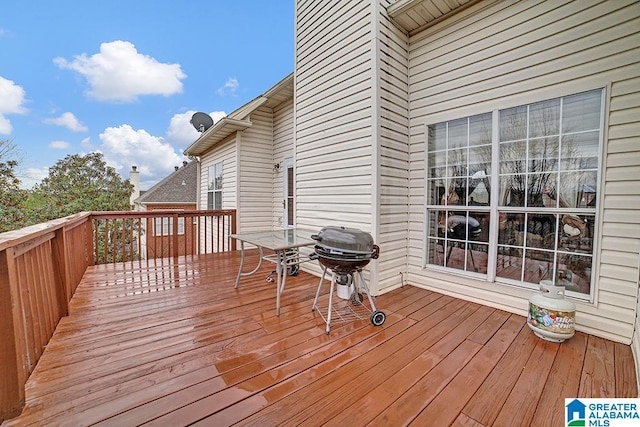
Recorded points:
173,343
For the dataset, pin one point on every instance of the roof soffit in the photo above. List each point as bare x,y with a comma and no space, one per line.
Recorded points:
415,15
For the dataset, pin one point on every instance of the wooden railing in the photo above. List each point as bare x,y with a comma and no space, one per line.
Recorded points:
132,236
41,266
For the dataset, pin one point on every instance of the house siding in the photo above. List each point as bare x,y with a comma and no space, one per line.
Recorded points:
393,151
620,268
495,55
256,172
334,117
282,149
224,152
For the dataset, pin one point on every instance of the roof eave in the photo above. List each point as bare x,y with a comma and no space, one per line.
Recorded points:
216,133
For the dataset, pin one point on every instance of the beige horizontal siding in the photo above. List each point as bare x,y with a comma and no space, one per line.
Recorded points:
498,55
620,265
224,152
391,144
256,173
282,149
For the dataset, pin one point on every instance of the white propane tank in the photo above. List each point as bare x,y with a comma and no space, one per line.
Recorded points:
551,317
345,286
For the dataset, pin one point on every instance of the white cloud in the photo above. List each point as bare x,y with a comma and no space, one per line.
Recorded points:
11,100
59,145
33,176
124,146
229,88
119,73
69,121
182,133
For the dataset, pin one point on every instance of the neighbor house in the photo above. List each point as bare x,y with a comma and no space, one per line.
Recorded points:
486,146
176,192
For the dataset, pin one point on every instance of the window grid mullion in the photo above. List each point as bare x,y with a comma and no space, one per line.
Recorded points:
494,197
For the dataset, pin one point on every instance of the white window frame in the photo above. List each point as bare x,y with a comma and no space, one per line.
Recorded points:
163,226
214,186
491,275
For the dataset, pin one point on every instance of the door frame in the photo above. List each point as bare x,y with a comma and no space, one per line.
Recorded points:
287,169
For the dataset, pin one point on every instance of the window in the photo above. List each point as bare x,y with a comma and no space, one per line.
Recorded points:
214,190
459,157
544,158
164,226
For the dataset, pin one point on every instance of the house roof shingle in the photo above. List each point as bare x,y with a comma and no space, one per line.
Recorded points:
172,190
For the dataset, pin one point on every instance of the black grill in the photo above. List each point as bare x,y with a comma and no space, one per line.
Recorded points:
344,250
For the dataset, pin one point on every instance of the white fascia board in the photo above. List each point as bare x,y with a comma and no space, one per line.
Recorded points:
216,133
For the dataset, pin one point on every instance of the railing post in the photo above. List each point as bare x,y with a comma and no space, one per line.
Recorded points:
233,230
12,340
61,271
89,242
175,245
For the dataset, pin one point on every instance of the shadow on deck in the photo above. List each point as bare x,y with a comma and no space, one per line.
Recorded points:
174,344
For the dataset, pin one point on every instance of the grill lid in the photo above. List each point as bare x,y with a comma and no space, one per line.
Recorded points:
342,239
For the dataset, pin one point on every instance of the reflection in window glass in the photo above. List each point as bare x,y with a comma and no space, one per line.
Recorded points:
541,190
578,189
512,157
437,137
513,124
512,190
480,131
541,231
437,189
547,167
543,154
438,164
435,252
509,263
581,112
214,189
468,168
574,272
580,151
544,118
576,234
457,135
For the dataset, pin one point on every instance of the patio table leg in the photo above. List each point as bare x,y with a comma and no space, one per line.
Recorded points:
240,273
282,279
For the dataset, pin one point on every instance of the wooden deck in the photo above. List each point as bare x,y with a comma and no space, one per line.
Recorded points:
174,343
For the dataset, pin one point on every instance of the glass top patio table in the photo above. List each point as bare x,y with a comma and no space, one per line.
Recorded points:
277,240
284,243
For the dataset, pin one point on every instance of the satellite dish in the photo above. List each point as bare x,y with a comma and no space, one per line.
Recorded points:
201,121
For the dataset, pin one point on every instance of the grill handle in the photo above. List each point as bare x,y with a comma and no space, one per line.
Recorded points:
376,252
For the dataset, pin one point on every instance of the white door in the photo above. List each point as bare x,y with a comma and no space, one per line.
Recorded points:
287,193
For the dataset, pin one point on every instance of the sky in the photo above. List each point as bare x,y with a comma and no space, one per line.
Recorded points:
124,77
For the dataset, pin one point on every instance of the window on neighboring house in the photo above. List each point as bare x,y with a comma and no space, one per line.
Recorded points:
164,226
542,163
214,190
